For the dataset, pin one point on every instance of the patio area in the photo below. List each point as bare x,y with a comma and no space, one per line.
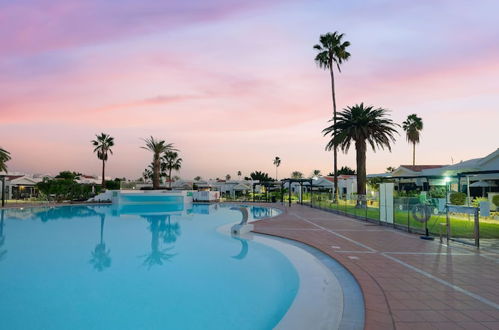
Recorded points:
407,282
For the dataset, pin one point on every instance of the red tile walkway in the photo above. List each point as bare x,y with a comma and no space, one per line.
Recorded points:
407,282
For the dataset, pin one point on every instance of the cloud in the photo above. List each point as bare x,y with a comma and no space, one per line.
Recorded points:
152,101
28,27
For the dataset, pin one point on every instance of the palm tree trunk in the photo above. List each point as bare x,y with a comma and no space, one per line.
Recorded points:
276,173
360,148
155,174
335,149
103,174
170,177
413,153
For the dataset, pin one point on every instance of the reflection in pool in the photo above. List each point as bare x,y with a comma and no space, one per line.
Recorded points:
131,267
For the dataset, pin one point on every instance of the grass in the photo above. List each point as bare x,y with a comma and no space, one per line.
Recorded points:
460,226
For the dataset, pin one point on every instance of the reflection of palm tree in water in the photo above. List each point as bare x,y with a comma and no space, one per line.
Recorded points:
169,232
100,256
2,237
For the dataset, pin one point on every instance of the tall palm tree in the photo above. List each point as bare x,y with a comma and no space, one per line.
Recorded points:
103,144
412,126
4,158
157,147
361,125
172,162
277,163
331,51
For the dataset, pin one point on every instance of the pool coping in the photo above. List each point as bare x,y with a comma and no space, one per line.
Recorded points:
376,310
352,315
352,302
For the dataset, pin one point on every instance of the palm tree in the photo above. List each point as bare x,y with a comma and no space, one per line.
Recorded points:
331,51
297,175
412,126
277,163
228,177
316,173
172,162
4,158
197,178
103,144
157,147
361,125
239,174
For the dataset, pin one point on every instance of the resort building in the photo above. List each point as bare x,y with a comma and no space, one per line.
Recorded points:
347,185
478,177
20,186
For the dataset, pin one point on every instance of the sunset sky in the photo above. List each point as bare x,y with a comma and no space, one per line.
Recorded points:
233,83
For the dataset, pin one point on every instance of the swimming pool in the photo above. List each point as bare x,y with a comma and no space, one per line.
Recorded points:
138,267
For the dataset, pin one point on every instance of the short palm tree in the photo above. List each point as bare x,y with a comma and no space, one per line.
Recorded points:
332,50
316,173
361,125
277,163
412,126
239,174
228,177
172,162
4,158
103,144
157,147
297,175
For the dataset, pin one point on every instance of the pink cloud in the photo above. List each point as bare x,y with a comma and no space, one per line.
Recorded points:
47,25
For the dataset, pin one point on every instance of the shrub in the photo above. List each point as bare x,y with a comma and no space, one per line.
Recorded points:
437,192
476,201
113,184
457,198
495,200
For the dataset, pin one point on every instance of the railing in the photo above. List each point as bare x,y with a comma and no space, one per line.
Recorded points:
417,215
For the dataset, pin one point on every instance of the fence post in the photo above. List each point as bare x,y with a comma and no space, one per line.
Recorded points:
408,215
477,228
365,198
447,222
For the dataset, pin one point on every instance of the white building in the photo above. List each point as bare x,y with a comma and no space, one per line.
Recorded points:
478,176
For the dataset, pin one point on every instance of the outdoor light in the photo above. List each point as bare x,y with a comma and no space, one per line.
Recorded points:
446,179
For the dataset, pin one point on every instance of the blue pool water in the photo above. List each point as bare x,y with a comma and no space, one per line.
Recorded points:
138,267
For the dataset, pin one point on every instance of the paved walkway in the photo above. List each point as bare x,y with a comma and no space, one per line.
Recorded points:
407,282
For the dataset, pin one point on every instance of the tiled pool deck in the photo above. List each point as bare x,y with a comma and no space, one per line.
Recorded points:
407,282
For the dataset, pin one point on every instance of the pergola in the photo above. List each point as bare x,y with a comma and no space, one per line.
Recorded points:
301,182
267,185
